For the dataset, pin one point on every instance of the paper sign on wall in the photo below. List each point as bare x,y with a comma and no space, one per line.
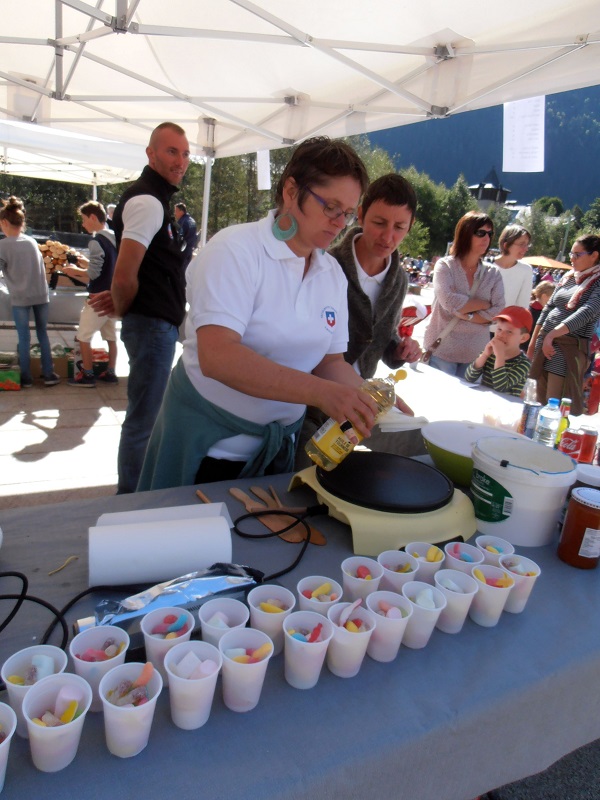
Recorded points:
523,149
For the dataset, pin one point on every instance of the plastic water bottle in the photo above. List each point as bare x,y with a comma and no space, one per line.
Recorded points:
547,423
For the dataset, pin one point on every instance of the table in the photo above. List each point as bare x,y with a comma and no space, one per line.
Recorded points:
466,714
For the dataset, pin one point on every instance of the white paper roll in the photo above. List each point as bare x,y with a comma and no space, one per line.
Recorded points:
155,551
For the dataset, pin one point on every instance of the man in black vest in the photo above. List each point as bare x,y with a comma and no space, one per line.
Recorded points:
148,290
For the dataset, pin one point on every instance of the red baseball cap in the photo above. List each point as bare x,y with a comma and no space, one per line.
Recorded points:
518,316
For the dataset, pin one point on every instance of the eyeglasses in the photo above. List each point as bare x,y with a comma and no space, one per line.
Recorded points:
574,256
331,210
481,233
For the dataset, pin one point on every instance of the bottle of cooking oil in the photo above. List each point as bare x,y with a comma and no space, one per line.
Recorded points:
565,410
330,444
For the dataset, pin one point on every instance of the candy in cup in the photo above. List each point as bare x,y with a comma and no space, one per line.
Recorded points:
193,668
427,604
493,547
246,653
391,612
23,669
307,635
269,606
129,693
360,577
163,628
398,568
54,710
430,559
462,557
95,651
459,590
318,593
524,572
8,725
353,627
494,585
220,615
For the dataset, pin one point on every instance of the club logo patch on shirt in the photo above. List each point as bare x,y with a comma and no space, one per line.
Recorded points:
330,316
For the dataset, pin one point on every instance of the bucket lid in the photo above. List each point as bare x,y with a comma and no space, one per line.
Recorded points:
523,454
589,474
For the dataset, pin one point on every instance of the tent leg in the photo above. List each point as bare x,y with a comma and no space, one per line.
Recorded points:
206,200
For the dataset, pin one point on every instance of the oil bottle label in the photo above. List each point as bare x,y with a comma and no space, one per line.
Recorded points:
492,502
331,439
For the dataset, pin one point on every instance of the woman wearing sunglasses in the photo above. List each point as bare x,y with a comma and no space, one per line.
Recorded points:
468,294
266,333
560,345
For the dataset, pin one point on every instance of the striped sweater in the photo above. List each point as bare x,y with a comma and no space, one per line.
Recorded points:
509,379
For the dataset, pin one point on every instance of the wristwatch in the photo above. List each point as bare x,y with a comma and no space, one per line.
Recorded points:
470,316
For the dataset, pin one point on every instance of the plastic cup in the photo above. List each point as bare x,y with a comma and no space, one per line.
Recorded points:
191,698
8,725
311,583
157,647
18,664
489,602
53,749
268,622
423,620
392,580
387,636
453,617
519,594
427,569
242,683
360,587
453,561
483,542
237,614
304,660
127,728
346,650
92,671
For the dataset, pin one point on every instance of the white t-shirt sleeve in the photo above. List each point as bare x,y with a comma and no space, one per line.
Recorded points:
142,218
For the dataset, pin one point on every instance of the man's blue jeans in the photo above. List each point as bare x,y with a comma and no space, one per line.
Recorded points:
457,369
150,345
21,318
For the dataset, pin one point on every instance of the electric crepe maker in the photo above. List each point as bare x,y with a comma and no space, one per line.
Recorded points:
390,500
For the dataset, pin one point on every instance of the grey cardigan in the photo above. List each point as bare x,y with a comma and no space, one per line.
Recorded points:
372,337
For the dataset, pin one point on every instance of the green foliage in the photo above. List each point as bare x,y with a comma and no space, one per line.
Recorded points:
551,205
548,232
590,221
416,242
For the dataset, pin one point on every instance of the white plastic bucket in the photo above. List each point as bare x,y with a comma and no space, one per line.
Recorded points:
519,488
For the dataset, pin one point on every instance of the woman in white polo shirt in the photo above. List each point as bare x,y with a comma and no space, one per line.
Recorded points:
265,333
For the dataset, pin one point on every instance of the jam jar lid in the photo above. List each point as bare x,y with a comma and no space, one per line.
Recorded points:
587,497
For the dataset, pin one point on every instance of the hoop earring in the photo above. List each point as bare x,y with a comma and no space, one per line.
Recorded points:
285,235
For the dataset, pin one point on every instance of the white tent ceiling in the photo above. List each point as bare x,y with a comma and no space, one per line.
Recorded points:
242,76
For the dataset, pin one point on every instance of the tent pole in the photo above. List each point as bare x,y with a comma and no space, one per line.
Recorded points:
206,199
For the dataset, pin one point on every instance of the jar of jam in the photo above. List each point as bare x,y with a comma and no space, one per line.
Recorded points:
579,543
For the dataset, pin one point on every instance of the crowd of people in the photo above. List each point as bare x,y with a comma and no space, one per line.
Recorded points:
292,312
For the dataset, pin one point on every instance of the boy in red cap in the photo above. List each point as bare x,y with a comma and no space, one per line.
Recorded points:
502,365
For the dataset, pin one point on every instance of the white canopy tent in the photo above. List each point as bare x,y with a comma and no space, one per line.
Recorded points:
243,76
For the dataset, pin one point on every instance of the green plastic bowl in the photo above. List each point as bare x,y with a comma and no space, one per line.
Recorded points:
450,445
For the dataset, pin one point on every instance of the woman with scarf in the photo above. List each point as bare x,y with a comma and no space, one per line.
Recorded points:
560,345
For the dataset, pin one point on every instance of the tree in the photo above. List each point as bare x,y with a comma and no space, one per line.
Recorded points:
430,209
501,217
590,221
553,206
416,242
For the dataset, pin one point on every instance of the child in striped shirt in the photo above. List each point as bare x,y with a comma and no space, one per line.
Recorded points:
501,365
